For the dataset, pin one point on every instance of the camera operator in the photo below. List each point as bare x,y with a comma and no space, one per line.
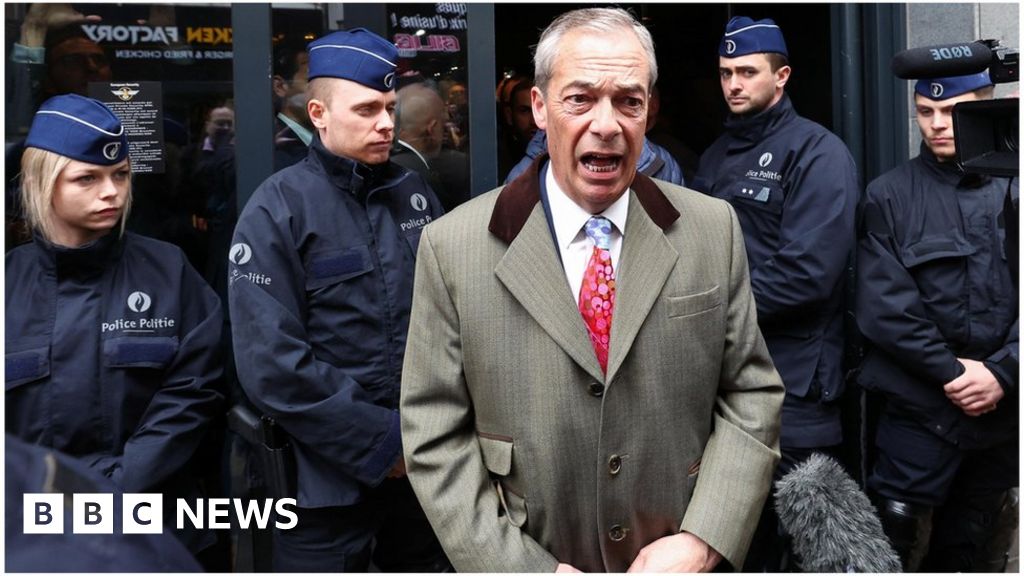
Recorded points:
936,299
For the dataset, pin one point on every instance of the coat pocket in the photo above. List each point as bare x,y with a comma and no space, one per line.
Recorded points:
497,455
681,306
140,351
331,266
26,366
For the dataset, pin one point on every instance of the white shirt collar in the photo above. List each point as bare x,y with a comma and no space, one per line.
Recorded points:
413,149
568,217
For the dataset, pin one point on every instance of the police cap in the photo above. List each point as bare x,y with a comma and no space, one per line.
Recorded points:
357,55
80,128
952,86
746,36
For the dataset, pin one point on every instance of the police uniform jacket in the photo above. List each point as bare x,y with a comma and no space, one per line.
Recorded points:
31,470
934,285
112,356
320,286
795,190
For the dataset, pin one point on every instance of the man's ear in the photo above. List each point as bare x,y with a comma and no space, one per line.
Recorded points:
782,76
316,109
540,109
280,86
430,127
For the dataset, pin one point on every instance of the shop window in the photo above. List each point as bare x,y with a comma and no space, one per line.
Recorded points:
166,70
432,132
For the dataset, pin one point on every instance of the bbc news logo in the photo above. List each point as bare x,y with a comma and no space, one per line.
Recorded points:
144,513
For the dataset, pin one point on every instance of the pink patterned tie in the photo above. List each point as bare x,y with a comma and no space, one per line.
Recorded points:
597,293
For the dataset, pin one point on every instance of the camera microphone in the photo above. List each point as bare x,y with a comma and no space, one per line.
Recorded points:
834,527
942,60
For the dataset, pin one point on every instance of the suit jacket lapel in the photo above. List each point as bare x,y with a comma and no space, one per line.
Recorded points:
533,274
532,270
647,260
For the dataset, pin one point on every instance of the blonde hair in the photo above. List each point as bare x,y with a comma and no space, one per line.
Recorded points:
39,172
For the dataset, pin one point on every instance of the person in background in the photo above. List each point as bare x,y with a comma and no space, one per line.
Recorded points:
420,118
660,133
293,130
795,190
584,386
111,337
518,126
457,130
320,287
937,300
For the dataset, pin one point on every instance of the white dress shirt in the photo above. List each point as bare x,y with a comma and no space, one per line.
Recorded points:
575,247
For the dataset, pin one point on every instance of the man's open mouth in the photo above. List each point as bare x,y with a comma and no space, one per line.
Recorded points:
601,162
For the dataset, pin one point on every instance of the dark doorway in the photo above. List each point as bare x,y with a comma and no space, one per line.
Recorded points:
686,38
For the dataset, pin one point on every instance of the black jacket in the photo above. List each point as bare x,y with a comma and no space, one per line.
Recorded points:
320,290
795,190
934,285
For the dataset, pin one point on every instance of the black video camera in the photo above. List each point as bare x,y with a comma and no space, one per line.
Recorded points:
987,132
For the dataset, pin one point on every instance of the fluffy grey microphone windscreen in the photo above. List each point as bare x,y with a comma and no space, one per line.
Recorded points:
832,523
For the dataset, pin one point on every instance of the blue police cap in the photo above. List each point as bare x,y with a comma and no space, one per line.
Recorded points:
746,36
945,88
357,55
80,128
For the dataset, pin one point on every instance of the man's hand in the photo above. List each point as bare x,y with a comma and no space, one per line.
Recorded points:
398,471
42,17
976,391
566,569
681,552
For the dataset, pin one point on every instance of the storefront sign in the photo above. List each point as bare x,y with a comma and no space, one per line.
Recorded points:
432,28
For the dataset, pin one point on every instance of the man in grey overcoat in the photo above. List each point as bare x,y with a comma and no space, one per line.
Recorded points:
585,386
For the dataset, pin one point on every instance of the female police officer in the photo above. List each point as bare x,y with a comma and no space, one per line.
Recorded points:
112,338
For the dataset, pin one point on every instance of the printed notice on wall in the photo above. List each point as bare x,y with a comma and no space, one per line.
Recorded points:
140,106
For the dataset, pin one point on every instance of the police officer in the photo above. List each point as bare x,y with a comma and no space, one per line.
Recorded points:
320,289
794,187
111,337
937,300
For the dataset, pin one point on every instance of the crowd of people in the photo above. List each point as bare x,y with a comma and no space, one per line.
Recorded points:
604,364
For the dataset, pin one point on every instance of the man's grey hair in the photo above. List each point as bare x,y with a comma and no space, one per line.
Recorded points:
607,21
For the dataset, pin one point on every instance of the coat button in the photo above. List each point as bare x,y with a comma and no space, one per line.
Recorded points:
617,533
597,389
614,464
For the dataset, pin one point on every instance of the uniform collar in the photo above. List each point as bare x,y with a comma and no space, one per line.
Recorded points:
754,129
86,260
516,201
949,171
355,177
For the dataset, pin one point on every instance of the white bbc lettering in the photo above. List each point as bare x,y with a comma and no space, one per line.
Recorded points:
42,514
92,514
142,514
280,508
